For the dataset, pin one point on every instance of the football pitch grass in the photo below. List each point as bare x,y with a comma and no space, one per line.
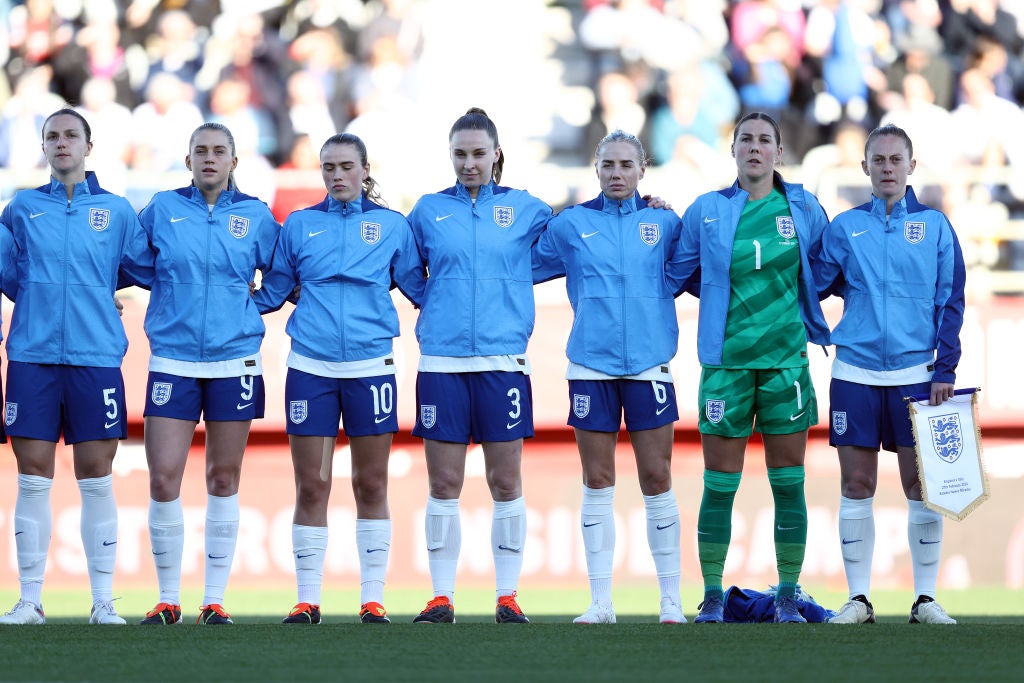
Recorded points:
984,646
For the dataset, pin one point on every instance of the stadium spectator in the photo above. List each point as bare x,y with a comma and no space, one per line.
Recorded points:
94,53
888,348
175,47
319,54
170,109
920,52
36,34
613,251
23,117
473,382
209,239
341,365
112,119
293,190
74,243
758,309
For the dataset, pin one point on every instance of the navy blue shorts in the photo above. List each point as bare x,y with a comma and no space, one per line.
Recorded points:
219,399
599,405
79,402
316,405
867,416
480,406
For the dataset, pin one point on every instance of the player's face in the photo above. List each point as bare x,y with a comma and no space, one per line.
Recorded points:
211,160
888,164
65,147
473,157
619,170
343,172
756,150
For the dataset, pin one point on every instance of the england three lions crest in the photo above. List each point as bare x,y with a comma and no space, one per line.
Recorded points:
161,393
715,410
947,437
581,405
99,219
786,227
297,412
503,216
913,231
10,413
238,226
428,416
839,422
650,233
370,232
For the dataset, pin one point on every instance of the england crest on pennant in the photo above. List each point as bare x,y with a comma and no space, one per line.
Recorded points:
10,413
99,219
786,227
161,393
297,412
503,216
839,422
649,233
238,226
428,416
715,410
581,405
947,438
370,232
913,231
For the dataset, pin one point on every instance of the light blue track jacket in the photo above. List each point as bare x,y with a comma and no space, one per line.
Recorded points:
67,259
479,294
346,256
902,280
613,255
200,309
705,247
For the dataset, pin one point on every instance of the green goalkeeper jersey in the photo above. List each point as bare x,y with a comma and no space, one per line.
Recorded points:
763,328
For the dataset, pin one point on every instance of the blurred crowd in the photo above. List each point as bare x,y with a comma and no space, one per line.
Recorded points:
556,76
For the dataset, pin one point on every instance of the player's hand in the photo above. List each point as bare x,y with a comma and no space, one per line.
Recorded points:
656,202
941,392
119,306
252,288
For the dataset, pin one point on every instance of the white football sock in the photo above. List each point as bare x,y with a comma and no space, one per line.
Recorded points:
167,536
663,539
221,535
32,524
309,545
597,521
373,542
444,542
924,531
99,534
508,536
857,536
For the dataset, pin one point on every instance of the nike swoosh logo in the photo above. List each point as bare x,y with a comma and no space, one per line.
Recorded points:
661,410
797,416
375,550
160,553
314,234
662,528
709,220
514,550
587,525
784,528
216,557
438,219
378,420
858,234
297,556
108,425
585,235
703,533
175,220
856,540
33,216
242,406
924,542
510,426
109,543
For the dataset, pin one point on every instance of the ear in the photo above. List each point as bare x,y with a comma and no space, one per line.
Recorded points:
88,149
188,161
234,163
864,167
912,166
643,168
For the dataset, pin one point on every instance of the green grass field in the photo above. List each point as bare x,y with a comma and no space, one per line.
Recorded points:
985,646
